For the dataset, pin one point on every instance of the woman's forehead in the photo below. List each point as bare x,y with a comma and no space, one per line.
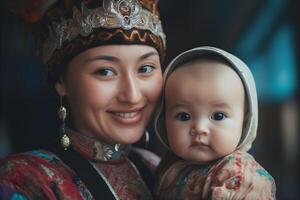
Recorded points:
117,53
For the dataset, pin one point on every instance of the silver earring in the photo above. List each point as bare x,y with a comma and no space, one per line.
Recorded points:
147,138
117,147
62,114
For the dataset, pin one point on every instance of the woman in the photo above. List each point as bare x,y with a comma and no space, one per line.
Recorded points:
103,58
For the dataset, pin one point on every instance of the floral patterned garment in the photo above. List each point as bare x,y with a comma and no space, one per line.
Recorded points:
236,176
42,175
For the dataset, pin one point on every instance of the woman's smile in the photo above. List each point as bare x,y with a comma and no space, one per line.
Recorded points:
128,117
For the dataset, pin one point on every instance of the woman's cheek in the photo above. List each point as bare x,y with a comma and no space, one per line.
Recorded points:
100,93
155,89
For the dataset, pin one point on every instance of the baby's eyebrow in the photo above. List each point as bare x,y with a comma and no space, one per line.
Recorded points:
177,106
221,105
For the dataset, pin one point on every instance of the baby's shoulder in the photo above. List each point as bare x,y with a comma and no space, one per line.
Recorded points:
241,173
241,162
237,158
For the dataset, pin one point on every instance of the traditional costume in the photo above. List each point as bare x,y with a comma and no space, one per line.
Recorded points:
86,168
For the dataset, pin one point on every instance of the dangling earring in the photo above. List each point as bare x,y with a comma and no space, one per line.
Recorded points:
62,114
147,138
117,147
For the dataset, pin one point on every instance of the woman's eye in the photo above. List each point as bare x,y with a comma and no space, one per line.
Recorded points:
183,116
146,69
218,116
105,72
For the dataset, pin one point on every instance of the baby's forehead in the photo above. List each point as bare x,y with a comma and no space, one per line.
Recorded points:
204,57
205,68
206,76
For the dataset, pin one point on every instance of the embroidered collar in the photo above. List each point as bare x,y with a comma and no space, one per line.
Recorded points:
96,150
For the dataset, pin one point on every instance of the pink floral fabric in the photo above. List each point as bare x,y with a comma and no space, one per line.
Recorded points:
236,176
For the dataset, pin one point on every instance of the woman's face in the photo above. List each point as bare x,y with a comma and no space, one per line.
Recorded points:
112,91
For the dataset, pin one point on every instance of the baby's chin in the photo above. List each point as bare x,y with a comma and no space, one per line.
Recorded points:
204,160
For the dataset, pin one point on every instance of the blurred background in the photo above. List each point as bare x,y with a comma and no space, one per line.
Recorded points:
263,33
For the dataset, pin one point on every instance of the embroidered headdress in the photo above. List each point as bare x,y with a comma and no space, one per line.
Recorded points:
68,27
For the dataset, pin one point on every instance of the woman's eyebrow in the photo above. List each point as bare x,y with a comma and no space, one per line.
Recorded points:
103,57
116,59
147,55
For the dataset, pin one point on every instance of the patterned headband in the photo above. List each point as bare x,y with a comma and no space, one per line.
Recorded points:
125,14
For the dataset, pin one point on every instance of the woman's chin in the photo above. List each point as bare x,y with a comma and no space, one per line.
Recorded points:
130,137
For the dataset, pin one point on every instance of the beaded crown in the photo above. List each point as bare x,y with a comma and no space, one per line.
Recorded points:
124,14
65,28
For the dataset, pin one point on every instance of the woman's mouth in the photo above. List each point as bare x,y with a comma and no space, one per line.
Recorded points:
127,117
126,114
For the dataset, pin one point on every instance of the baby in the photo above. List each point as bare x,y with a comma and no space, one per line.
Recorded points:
208,121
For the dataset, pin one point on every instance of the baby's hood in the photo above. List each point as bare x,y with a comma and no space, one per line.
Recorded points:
250,128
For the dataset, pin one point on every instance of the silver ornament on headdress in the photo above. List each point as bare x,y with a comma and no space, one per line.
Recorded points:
125,14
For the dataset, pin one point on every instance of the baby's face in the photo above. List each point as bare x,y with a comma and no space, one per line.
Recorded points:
204,110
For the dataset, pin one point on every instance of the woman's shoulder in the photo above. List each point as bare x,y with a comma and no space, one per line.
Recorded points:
35,160
37,174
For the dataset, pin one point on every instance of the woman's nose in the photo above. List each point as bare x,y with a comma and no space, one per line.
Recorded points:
130,91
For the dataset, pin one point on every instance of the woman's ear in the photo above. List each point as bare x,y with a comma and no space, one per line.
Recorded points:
60,88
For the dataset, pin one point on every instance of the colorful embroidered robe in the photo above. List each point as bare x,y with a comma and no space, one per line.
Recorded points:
41,174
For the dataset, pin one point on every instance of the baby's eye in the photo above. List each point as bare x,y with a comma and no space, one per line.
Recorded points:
218,116
146,69
105,72
183,116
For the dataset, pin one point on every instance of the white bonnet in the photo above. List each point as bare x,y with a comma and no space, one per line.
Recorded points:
250,129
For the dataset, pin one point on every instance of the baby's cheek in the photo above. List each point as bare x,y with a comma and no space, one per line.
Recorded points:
177,142
225,146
